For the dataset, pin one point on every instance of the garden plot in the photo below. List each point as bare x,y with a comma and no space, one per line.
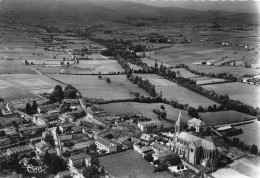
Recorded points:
246,93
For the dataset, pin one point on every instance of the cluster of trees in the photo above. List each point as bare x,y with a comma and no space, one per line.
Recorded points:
58,94
31,109
55,163
145,84
240,144
95,170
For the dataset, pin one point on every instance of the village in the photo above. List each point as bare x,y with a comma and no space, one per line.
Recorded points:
111,97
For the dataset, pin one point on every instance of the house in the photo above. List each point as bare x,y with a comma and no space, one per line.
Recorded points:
198,124
146,139
149,126
21,149
65,127
6,109
46,108
31,130
41,147
71,102
106,144
142,149
64,137
46,119
160,152
79,160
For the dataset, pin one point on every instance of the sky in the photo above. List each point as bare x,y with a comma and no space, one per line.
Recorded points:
243,6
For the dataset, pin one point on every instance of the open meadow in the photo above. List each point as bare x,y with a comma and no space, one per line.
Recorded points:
251,133
224,117
207,80
95,67
92,87
17,88
246,93
235,71
130,164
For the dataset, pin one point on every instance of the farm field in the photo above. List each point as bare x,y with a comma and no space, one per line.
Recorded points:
95,67
224,117
49,69
185,96
207,80
251,133
130,164
151,62
92,87
235,71
184,73
172,113
20,88
246,93
157,80
12,67
119,109
133,66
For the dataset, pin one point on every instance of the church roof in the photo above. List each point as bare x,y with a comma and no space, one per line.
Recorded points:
206,143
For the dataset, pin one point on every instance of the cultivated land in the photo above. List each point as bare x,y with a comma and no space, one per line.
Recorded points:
19,88
12,67
185,73
92,87
246,93
119,109
224,117
130,164
96,67
207,80
171,113
251,133
235,71
172,91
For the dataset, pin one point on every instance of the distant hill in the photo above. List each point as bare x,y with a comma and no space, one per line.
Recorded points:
81,12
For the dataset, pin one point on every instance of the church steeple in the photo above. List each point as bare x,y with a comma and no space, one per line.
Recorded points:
178,124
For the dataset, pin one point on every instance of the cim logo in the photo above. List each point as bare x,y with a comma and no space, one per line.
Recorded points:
35,169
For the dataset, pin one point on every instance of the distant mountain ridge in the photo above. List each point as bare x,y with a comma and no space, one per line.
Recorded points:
106,10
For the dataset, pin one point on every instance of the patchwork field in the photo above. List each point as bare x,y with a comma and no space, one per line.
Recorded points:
95,67
157,80
130,164
248,94
20,88
151,62
49,70
224,117
92,87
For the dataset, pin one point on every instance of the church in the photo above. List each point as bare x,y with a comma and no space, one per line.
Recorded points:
193,149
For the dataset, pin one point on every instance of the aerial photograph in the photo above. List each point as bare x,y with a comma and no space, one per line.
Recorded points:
129,89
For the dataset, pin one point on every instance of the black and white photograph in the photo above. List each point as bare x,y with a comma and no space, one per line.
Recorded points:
129,88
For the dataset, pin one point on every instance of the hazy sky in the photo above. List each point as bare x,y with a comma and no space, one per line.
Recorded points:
245,6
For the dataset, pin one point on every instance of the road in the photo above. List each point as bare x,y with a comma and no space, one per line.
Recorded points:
56,141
